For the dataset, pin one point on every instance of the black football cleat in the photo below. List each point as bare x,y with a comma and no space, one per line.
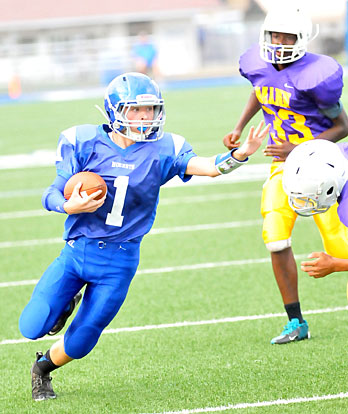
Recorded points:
41,387
65,315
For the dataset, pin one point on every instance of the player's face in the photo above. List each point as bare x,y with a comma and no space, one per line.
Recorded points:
142,114
288,39
285,39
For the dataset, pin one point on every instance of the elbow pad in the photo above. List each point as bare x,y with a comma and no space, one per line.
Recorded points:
333,111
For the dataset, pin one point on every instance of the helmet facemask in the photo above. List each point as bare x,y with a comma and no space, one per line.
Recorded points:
281,54
306,204
149,129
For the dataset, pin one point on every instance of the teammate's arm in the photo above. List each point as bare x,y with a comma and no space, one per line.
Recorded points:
231,140
323,265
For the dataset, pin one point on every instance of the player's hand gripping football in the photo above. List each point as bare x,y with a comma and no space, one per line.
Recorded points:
252,142
86,204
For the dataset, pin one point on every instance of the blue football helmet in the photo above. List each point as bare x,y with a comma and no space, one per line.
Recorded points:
129,90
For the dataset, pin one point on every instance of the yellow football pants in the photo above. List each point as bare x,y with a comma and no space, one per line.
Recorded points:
279,218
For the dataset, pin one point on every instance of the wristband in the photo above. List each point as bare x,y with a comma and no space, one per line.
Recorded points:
225,163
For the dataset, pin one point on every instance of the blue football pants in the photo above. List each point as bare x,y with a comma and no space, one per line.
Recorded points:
105,268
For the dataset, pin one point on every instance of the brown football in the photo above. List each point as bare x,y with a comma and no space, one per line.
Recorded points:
91,182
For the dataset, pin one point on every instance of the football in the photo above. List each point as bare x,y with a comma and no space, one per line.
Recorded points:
91,182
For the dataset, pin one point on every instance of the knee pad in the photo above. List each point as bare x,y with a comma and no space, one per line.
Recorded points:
35,318
277,229
278,246
80,342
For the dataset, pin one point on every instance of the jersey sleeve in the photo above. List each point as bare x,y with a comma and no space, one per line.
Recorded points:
67,164
53,198
329,91
175,162
325,81
250,63
66,161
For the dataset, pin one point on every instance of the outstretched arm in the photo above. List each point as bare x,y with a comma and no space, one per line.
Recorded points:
225,163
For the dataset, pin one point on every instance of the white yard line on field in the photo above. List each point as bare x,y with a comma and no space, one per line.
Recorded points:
169,269
21,193
24,214
183,324
153,232
164,202
46,158
19,283
296,400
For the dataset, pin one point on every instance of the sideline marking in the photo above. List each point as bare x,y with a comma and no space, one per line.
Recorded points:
182,324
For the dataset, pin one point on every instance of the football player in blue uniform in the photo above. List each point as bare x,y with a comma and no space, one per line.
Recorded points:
135,157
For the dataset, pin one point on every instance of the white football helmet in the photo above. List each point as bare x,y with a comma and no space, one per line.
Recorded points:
291,20
314,175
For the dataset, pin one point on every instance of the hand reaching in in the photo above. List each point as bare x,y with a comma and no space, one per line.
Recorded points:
252,142
280,150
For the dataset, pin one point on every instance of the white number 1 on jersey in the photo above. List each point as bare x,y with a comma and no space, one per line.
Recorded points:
115,218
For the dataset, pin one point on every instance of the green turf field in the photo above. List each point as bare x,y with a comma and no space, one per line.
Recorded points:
194,333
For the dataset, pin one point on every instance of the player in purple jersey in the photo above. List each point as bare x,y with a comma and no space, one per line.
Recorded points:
135,157
315,177
299,94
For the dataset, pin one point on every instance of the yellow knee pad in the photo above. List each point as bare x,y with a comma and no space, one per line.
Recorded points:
276,232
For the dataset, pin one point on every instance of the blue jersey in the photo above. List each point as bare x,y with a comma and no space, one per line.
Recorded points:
133,176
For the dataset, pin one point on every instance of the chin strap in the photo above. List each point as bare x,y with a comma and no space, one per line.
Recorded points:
103,113
315,35
225,163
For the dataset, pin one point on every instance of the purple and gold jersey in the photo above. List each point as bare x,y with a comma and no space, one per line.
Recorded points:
342,209
291,99
133,176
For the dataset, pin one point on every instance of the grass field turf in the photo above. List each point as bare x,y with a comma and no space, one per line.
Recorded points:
179,367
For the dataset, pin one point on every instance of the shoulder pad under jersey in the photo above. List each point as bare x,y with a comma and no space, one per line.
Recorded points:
320,76
251,62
